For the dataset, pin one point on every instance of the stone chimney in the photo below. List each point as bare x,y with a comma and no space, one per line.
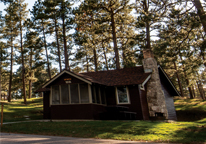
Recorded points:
155,95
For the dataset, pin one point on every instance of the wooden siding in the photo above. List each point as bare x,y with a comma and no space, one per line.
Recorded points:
169,103
46,107
76,111
135,104
143,99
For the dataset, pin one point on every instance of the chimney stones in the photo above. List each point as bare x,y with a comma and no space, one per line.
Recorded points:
155,95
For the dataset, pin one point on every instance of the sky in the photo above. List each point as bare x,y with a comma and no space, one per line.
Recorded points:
30,5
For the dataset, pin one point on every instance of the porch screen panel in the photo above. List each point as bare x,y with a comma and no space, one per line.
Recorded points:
97,94
65,94
74,93
55,95
84,94
102,90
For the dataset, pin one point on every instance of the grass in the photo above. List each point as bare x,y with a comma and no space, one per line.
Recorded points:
178,132
18,111
184,132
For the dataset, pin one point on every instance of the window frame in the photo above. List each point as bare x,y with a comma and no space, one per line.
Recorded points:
117,97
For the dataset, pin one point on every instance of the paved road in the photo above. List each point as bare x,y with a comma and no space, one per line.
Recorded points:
7,138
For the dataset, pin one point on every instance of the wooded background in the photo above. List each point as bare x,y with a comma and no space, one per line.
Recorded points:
96,35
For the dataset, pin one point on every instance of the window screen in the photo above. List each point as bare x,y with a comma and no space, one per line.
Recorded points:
65,94
102,91
55,95
74,93
97,94
84,95
122,95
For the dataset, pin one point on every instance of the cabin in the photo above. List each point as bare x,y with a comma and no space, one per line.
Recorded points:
137,93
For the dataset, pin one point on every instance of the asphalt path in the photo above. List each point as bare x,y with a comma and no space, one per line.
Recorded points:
8,138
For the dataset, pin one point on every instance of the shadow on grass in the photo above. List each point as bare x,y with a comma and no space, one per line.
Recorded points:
17,111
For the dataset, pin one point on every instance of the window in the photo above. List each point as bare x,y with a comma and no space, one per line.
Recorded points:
74,93
84,94
55,95
65,94
122,95
70,94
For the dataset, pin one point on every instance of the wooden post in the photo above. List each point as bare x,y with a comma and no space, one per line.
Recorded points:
2,105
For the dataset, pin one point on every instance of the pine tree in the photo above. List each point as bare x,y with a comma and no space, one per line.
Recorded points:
10,32
41,22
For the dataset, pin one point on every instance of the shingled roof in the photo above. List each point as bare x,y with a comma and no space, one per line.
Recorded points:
127,76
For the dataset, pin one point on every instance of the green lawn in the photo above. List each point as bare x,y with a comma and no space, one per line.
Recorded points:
18,111
181,131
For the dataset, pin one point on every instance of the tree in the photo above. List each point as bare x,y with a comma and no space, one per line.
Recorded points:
22,14
10,33
41,22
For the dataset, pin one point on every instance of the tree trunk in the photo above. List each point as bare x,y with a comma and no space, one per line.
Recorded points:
115,40
30,75
178,79
11,71
201,13
147,26
201,90
64,39
57,39
105,56
193,91
47,57
22,59
87,63
1,69
95,60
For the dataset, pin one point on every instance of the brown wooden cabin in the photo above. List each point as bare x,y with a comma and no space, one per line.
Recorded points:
105,95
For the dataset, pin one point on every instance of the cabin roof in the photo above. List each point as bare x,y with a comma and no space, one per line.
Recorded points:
126,76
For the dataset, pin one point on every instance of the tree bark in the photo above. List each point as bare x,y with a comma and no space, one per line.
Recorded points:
64,39
22,59
47,57
30,75
147,26
57,40
95,60
11,71
0,70
115,40
201,90
201,13
105,56
178,79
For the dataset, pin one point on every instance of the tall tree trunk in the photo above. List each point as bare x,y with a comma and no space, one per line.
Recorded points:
64,39
45,45
95,60
178,79
193,91
201,90
1,69
22,59
57,39
11,71
87,63
201,13
115,40
146,5
105,56
30,75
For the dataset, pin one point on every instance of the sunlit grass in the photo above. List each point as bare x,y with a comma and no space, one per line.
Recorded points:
184,132
18,111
